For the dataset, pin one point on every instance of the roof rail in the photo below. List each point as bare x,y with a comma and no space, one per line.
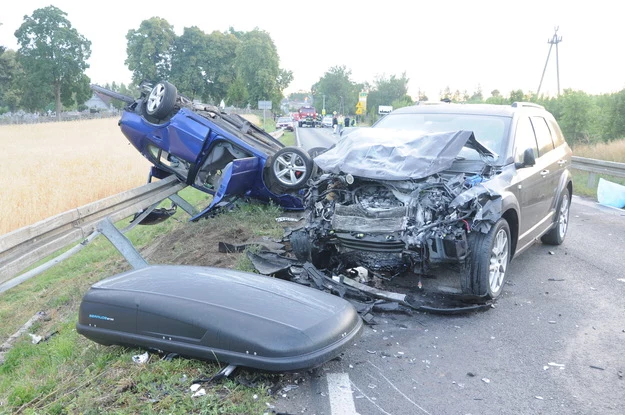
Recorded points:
527,104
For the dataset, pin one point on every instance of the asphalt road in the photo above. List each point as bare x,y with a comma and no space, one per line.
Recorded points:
554,343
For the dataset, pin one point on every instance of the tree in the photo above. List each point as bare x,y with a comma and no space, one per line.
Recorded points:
149,50
220,68
577,108
11,74
341,93
53,56
477,96
257,64
189,63
387,90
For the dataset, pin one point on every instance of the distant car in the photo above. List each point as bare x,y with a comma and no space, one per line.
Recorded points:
326,121
218,153
286,123
470,186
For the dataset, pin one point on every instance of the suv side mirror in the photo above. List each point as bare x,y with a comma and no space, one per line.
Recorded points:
528,159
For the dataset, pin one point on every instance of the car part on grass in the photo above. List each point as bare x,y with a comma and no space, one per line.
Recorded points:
156,216
219,314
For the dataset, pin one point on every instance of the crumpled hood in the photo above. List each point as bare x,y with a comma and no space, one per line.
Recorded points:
390,154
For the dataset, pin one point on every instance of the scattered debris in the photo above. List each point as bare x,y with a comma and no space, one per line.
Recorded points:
263,244
470,374
485,380
141,358
539,397
597,367
287,219
553,364
35,338
197,391
6,346
551,253
269,263
556,279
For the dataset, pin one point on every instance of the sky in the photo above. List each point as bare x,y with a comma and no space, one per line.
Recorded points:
463,45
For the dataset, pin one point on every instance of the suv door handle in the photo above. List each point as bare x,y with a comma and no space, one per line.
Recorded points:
544,173
561,162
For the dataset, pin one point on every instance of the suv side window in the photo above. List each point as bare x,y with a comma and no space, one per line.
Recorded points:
556,133
543,135
524,139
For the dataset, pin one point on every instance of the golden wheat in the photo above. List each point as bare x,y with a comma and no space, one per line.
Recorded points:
612,151
53,167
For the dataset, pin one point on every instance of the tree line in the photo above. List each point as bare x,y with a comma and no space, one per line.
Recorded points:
241,68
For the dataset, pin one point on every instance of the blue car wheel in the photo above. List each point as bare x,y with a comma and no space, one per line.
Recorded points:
161,101
291,167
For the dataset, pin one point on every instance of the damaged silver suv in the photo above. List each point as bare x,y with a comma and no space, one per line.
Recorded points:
461,184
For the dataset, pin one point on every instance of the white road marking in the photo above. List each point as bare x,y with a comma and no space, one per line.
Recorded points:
400,392
340,390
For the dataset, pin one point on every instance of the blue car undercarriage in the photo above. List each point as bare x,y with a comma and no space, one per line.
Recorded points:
218,153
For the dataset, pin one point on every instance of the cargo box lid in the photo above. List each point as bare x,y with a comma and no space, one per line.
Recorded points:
219,314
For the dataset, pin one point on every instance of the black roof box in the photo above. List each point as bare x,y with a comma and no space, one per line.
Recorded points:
219,314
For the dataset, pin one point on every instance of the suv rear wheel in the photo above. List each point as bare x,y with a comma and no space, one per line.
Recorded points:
556,235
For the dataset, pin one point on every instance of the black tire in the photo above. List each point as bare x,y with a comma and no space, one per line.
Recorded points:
556,235
291,167
161,101
485,274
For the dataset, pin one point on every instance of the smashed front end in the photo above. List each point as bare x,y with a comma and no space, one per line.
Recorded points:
395,206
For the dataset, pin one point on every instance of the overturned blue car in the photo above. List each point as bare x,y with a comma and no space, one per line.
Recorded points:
221,154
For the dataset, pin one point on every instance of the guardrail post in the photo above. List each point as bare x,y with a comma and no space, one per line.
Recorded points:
123,244
592,179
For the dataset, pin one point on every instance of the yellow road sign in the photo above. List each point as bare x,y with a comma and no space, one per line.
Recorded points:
358,111
360,106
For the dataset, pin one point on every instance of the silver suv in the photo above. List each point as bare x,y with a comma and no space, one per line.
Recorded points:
470,185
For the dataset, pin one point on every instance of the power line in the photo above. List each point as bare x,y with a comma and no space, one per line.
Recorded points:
553,41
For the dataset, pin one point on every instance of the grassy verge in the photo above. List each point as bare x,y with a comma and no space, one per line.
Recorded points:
582,186
70,374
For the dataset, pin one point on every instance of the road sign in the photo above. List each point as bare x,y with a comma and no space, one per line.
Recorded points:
358,111
264,105
360,106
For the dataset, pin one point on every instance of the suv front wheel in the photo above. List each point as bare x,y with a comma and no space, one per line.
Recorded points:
485,274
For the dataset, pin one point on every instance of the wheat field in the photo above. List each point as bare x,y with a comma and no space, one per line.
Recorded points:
53,167
611,151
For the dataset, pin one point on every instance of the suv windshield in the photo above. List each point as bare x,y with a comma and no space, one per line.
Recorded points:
489,130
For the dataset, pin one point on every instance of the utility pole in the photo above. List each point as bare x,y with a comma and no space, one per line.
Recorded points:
553,41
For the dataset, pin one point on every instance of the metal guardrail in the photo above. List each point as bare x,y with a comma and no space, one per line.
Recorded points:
595,167
25,246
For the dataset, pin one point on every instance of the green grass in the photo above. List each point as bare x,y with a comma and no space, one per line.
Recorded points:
288,138
582,187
